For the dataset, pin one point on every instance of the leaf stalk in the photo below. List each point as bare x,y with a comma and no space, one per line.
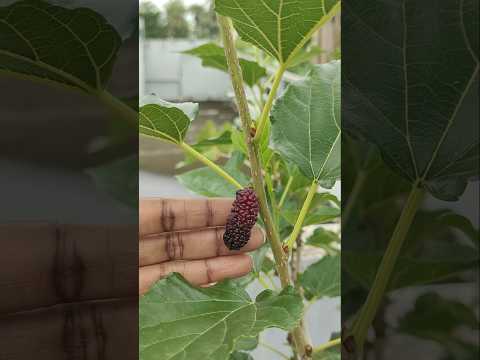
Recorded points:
377,291
327,345
262,122
202,158
303,213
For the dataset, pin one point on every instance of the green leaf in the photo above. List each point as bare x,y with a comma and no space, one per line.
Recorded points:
418,103
322,279
240,355
278,27
322,237
69,47
246,343
166,121
223,139
119,179
329,354
238,141
306,123
259,257
305,56
206,182
213,56
408,271
320,215
178,321
268,265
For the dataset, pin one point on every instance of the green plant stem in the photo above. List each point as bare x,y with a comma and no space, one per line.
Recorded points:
262,122
256,171
119,108
202,158
303,213
272,349
327,345
369,309
285,192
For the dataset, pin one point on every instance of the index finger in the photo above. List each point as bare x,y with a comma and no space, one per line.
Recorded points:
158,215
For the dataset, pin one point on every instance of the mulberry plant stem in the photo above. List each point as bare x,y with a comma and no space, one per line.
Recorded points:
202,158
369,309
327,345
268,105
256,171
303,213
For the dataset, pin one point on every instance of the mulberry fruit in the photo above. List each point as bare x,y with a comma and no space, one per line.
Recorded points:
241,220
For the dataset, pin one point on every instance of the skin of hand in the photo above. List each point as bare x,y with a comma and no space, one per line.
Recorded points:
186,236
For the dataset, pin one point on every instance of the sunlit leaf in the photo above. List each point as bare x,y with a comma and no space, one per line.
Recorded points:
166,121
278,27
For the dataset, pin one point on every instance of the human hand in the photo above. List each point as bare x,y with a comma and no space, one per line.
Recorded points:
186,236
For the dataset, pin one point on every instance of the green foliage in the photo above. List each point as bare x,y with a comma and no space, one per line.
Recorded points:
153,18
205,182
82,45
205,21
322,279
268,24
435,318
323,238
119,179
177,320
173,21
306,123
166,121
408,107
213,56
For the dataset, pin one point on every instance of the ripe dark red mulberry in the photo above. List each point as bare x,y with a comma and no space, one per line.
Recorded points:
241,220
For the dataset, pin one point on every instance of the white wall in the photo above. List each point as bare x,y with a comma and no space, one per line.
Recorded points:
171,75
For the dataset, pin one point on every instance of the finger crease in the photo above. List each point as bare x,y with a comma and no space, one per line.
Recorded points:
209,271
170,246
218,241
209,213
180,245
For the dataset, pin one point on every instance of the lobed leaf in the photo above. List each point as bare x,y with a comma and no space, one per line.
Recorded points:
322,279
277,27
416,100
178,321
322,237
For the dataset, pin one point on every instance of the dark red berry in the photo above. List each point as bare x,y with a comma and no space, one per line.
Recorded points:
241,220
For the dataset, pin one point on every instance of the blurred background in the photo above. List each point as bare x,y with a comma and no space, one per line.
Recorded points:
167,28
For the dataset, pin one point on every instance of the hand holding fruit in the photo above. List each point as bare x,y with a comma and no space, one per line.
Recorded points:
187,236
